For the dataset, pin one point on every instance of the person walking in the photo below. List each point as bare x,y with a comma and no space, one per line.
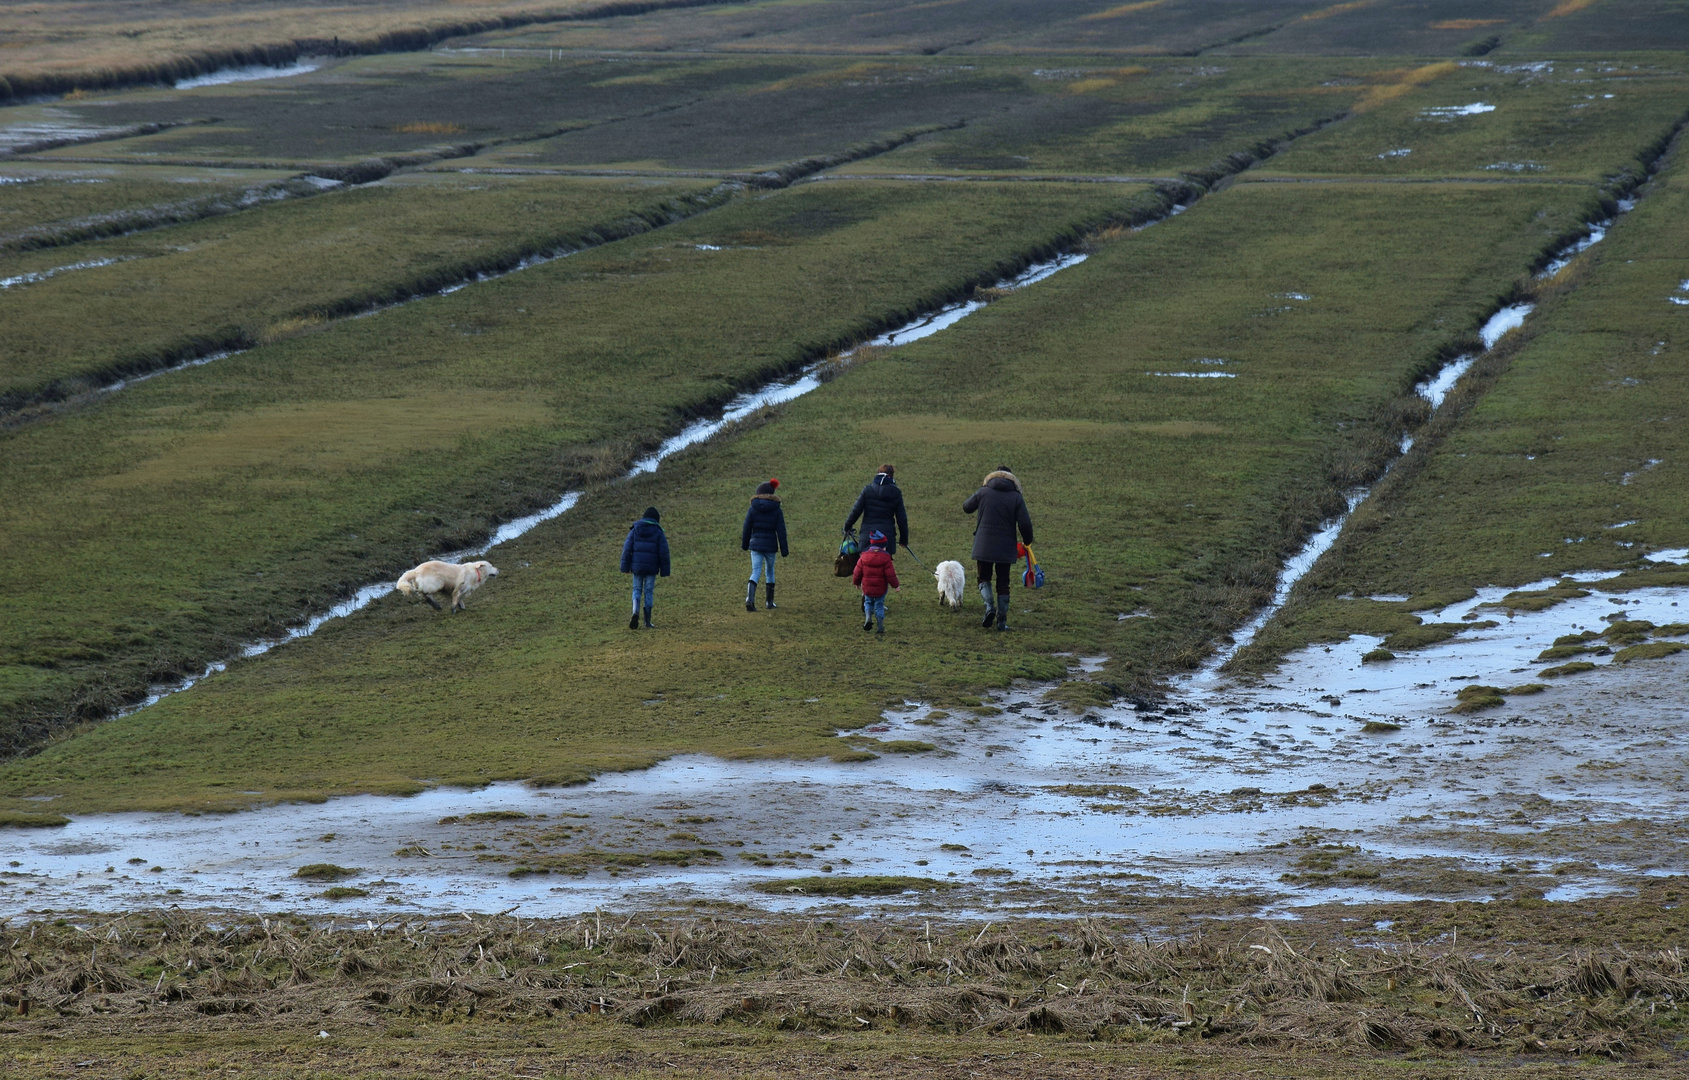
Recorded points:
874,573
880,506
645,555
764,534
1002,510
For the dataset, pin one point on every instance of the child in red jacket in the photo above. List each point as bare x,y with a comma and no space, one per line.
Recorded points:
874,571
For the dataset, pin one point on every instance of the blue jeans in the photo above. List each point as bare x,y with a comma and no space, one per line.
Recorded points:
762,563
874,607
645,584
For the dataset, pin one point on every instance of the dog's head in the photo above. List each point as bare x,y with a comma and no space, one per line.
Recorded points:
484,570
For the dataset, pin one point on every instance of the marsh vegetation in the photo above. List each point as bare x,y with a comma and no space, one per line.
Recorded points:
271,340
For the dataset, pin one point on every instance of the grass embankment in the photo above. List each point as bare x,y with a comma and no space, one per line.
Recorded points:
192,512
1564,431
49,206
1175,495
1344,990
112,43
231,283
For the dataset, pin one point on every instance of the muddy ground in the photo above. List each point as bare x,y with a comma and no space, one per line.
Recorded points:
1333,779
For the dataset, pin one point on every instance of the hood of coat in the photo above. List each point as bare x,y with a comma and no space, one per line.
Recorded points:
1001,480
647,527
764,498
884,480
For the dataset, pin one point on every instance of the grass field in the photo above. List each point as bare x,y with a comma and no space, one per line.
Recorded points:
236,281
247,491
1223,477
1560,436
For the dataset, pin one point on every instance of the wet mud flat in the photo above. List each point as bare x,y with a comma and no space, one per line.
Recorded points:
1334,779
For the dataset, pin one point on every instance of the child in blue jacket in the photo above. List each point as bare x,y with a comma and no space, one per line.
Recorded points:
645,555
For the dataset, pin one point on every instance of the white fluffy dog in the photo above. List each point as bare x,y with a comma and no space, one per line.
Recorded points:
951,580
433,578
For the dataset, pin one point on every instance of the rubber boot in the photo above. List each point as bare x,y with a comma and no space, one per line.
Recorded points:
648,625
633,623
990,611
750,595
1002,611
769,590
867,615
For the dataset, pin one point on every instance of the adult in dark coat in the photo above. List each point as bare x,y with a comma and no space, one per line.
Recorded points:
880,506
645,555
763,534
1002,511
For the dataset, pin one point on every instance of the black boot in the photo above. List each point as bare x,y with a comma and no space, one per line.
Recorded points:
648,619
1002,611
633,623
867,616
750,596
769,590
990,611
880,627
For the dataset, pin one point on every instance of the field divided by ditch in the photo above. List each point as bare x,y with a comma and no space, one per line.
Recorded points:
464,261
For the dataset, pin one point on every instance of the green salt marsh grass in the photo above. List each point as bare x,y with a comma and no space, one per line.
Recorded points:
1548,445
1208,484
237,280
215,505
1563,119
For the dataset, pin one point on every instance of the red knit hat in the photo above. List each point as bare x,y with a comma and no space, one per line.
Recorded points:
768,486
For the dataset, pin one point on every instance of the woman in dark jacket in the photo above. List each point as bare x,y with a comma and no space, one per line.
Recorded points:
1001,510
645,555
764,533
880,506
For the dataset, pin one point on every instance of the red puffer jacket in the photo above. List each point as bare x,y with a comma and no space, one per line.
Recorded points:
875,572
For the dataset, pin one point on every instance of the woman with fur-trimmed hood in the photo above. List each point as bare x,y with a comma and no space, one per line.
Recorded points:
1002,510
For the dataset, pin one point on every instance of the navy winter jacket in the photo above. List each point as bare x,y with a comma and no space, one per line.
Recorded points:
880,506
646,550
765,526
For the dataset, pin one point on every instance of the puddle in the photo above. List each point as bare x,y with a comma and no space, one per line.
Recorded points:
254,72
1218,788
1449,112
1674,555
1402,152
53,126
1191,374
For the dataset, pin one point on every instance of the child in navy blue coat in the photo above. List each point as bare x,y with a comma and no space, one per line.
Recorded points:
645,555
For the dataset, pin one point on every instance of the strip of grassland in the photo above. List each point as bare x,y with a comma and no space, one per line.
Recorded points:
1575,119
1051,116
192,512
44,206
230,283
360,113
1172,496
1569,428
110,44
